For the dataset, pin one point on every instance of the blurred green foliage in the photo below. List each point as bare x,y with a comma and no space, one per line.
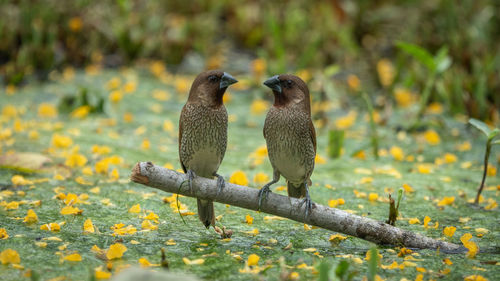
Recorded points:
39,36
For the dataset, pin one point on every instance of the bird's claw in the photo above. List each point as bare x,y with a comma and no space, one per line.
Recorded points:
263,193
220,184
191,175
308,202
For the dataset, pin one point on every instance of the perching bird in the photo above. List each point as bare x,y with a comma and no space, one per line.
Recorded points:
203,133
290,137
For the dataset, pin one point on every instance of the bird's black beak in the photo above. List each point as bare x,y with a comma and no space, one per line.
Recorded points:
226,80
274,83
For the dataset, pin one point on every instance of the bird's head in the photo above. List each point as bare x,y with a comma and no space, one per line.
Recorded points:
289,90
209,87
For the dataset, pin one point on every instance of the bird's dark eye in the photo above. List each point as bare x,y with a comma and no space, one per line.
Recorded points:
288,83
212,78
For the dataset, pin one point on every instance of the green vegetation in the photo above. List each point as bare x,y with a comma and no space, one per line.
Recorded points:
42,35
80,151
490,134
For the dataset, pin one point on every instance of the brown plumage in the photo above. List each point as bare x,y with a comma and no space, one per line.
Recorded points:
203,133
290,136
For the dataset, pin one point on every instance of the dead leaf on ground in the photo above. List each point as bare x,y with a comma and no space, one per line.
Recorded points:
27,162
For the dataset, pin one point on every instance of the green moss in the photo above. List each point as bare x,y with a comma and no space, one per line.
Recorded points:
243,139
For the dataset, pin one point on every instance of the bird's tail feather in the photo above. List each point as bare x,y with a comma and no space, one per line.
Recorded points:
206,212
296,191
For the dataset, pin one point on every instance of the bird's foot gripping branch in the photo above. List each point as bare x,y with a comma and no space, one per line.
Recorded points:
378,232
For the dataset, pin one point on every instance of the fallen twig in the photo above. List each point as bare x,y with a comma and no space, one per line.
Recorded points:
325,217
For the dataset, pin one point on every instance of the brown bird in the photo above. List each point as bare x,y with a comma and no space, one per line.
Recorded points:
203,133
290,137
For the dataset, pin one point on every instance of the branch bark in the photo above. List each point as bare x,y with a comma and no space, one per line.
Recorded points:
325,217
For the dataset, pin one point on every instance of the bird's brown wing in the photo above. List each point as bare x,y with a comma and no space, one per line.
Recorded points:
313,134
180,138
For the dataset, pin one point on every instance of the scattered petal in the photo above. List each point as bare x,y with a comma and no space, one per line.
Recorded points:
239,178
253,259
31,217
9,256
449,231
73,257
88,226
116,251
135,209
193,262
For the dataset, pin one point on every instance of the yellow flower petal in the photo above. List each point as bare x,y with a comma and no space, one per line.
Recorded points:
253,259
248,219
261,178
471,246
60,141
446,201
475,278
373,197
70,210
386,72
414,221
31,217
449,231
259,106
427,219
88,226
46,110
20,180
9,256
53,226
404,97
116,251
100,274
239,178
146,224
80,112
397,153
346,121
144,262
73,257
3,233
12,205
135,209
432,137
76,160
193,262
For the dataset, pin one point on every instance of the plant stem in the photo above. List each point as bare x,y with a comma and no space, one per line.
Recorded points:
486,157
425,96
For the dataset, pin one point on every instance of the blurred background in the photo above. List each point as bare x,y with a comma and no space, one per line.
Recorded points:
400,52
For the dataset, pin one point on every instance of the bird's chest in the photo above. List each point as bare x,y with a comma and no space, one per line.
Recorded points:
204,161
204,138
288,143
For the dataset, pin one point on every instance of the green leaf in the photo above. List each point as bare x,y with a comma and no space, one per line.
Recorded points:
495,142
442,60
480,125
419,54
443,65
331,70
493,133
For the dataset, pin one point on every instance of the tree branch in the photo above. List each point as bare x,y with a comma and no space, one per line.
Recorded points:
328,218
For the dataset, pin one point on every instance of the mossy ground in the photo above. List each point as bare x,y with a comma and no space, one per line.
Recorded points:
245,135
